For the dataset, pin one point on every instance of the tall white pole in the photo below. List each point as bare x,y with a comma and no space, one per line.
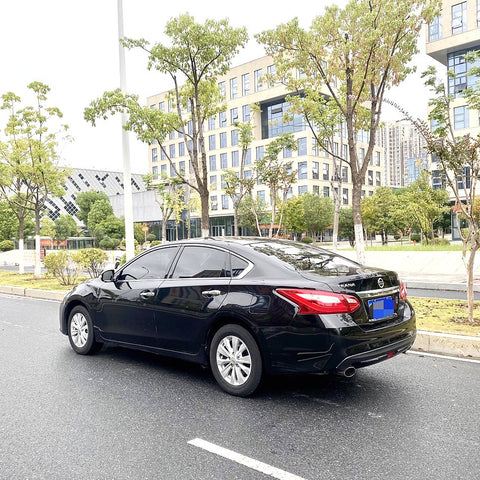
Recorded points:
127,176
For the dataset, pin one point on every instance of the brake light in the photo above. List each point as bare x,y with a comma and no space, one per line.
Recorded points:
319,302
403,291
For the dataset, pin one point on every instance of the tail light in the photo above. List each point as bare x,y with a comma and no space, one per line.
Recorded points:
319,302
403,291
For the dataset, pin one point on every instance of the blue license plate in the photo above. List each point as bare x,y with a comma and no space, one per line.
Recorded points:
381,307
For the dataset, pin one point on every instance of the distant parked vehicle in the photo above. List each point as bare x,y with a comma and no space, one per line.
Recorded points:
245,307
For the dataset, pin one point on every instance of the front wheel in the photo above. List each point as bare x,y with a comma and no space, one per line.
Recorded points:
80,332
235,360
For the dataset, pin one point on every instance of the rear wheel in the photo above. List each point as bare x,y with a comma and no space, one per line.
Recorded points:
80,332
235,360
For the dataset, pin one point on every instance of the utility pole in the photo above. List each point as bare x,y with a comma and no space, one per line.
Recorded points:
127,176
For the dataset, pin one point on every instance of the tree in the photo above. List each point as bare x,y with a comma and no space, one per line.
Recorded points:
170,197
34,146
424,204
252,213
8,222
318,213
197,55
277,174
294,212
236,185
345,225
85,201
457,159
382,212
65,226
354,55
48,229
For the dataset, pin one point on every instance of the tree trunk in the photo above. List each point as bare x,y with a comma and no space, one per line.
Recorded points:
357,221
21,250
38,263
336,221
470,293
164,231
204,209
235,220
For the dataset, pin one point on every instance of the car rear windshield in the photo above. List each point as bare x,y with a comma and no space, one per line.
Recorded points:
307,258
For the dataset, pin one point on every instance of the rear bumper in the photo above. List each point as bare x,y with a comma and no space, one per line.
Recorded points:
336,349
370,357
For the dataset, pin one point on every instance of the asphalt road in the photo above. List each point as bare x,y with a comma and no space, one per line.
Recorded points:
130,415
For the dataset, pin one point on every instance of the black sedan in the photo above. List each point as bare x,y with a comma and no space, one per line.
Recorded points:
244,307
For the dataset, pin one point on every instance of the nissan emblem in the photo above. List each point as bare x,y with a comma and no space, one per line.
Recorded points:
381,283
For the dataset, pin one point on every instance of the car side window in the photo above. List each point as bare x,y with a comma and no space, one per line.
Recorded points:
238,265
202,262
154,264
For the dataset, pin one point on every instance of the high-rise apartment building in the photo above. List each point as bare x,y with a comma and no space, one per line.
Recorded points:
453,33
242,87
450,36
404,153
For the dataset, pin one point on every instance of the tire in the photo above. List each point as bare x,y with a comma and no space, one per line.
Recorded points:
235,360
80,332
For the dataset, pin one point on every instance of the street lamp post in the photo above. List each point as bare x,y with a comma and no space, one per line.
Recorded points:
127,176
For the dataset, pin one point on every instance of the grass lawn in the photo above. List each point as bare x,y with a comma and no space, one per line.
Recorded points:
445,316
27,281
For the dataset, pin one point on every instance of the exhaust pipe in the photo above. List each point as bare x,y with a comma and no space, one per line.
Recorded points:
348,373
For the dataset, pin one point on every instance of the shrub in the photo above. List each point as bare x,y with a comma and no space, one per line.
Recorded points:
108,243
151,237
441,241
306,240
156,242
6,245
396,236
62,266
91,259
415,237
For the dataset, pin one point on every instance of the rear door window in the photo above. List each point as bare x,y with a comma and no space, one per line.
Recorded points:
202,262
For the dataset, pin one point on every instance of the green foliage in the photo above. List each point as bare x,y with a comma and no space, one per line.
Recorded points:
345,225
29,173
155,243
422,204
294,215
318,212
85,202
384,212
8,222
415,237
65,226
91,259
62,266
441,241
198,54
151,237
6,245
354,54
252,213
108,243
306,240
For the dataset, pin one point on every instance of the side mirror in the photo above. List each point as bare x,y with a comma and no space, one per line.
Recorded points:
107,275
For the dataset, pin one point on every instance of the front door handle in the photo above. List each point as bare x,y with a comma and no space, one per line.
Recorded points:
211,293
147,294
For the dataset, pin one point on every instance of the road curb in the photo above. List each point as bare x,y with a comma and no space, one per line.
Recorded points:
33,293
429,342
447,344
447,287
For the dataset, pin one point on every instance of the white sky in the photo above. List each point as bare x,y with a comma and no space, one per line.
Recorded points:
73,48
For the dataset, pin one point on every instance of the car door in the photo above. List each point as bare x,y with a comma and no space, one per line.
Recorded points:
128,304
189,299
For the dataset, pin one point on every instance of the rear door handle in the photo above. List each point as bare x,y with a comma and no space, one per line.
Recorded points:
147,294
211,293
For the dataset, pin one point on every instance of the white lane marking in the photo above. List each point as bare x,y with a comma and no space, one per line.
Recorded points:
446,357
243,460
